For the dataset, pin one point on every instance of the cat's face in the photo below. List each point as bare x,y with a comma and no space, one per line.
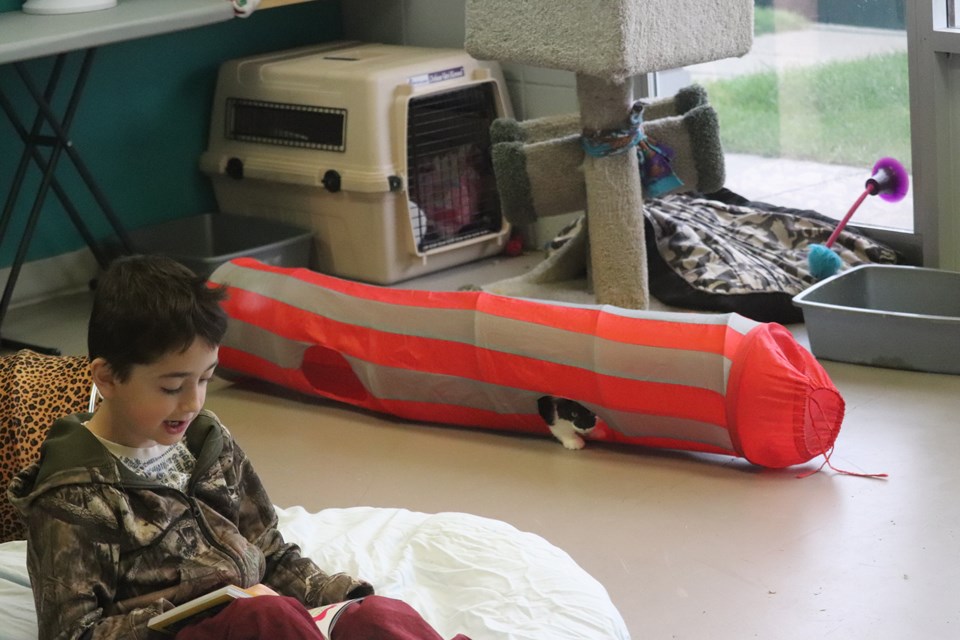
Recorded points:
576,414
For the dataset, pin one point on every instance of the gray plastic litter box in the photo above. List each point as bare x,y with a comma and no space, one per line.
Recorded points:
206,241
886,316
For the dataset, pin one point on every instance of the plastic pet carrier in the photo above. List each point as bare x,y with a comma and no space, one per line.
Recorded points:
383,151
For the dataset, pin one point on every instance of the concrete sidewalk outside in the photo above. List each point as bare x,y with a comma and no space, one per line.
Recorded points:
829,189
817,44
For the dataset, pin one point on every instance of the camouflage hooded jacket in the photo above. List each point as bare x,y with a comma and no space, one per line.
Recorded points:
108,549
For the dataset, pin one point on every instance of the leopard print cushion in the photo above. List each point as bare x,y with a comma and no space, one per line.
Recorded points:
36,390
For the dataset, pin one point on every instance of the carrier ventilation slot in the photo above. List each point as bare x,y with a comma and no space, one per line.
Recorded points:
288,125
453,194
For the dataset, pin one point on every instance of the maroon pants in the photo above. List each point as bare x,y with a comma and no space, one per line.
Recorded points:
284,618
379,618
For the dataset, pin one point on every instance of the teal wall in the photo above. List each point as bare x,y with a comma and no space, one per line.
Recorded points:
143,122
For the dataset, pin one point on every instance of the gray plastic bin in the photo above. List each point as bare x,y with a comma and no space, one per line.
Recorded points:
886,316
206,241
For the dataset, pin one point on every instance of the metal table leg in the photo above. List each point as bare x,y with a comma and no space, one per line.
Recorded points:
59,143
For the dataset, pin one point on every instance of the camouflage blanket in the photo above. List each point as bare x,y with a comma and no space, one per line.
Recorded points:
724,253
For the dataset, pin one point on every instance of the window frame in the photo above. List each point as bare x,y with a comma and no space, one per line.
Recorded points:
933,50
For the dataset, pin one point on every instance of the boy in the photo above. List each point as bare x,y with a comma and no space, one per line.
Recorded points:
149,502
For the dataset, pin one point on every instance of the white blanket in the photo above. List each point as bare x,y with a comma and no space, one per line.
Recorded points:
464,573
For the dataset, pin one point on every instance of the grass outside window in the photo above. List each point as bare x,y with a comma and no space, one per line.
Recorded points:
847,112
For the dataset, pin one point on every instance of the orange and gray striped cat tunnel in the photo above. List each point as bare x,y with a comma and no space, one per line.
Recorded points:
715,383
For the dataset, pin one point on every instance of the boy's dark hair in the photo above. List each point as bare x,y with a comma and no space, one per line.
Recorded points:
146,306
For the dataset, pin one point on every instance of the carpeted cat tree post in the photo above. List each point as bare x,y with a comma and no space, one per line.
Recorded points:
606,42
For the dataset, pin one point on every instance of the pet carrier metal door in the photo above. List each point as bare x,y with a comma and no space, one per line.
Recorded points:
450,179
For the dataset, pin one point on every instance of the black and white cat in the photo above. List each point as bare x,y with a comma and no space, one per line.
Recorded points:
567,419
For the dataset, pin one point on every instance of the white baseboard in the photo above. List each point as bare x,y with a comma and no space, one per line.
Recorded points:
51,277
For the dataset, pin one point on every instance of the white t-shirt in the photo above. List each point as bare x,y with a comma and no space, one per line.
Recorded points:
170,465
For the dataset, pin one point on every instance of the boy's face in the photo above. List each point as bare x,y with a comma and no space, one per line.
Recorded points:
157,402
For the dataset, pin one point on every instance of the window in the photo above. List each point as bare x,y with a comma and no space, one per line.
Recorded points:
935,114
822,95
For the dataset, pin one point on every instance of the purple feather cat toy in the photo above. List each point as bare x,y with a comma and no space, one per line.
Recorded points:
890,181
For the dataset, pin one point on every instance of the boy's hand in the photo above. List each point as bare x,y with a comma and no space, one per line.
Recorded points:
261,590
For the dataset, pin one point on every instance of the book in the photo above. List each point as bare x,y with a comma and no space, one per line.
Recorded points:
193,611
326,616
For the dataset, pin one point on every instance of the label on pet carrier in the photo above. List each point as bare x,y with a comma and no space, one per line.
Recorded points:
436,76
